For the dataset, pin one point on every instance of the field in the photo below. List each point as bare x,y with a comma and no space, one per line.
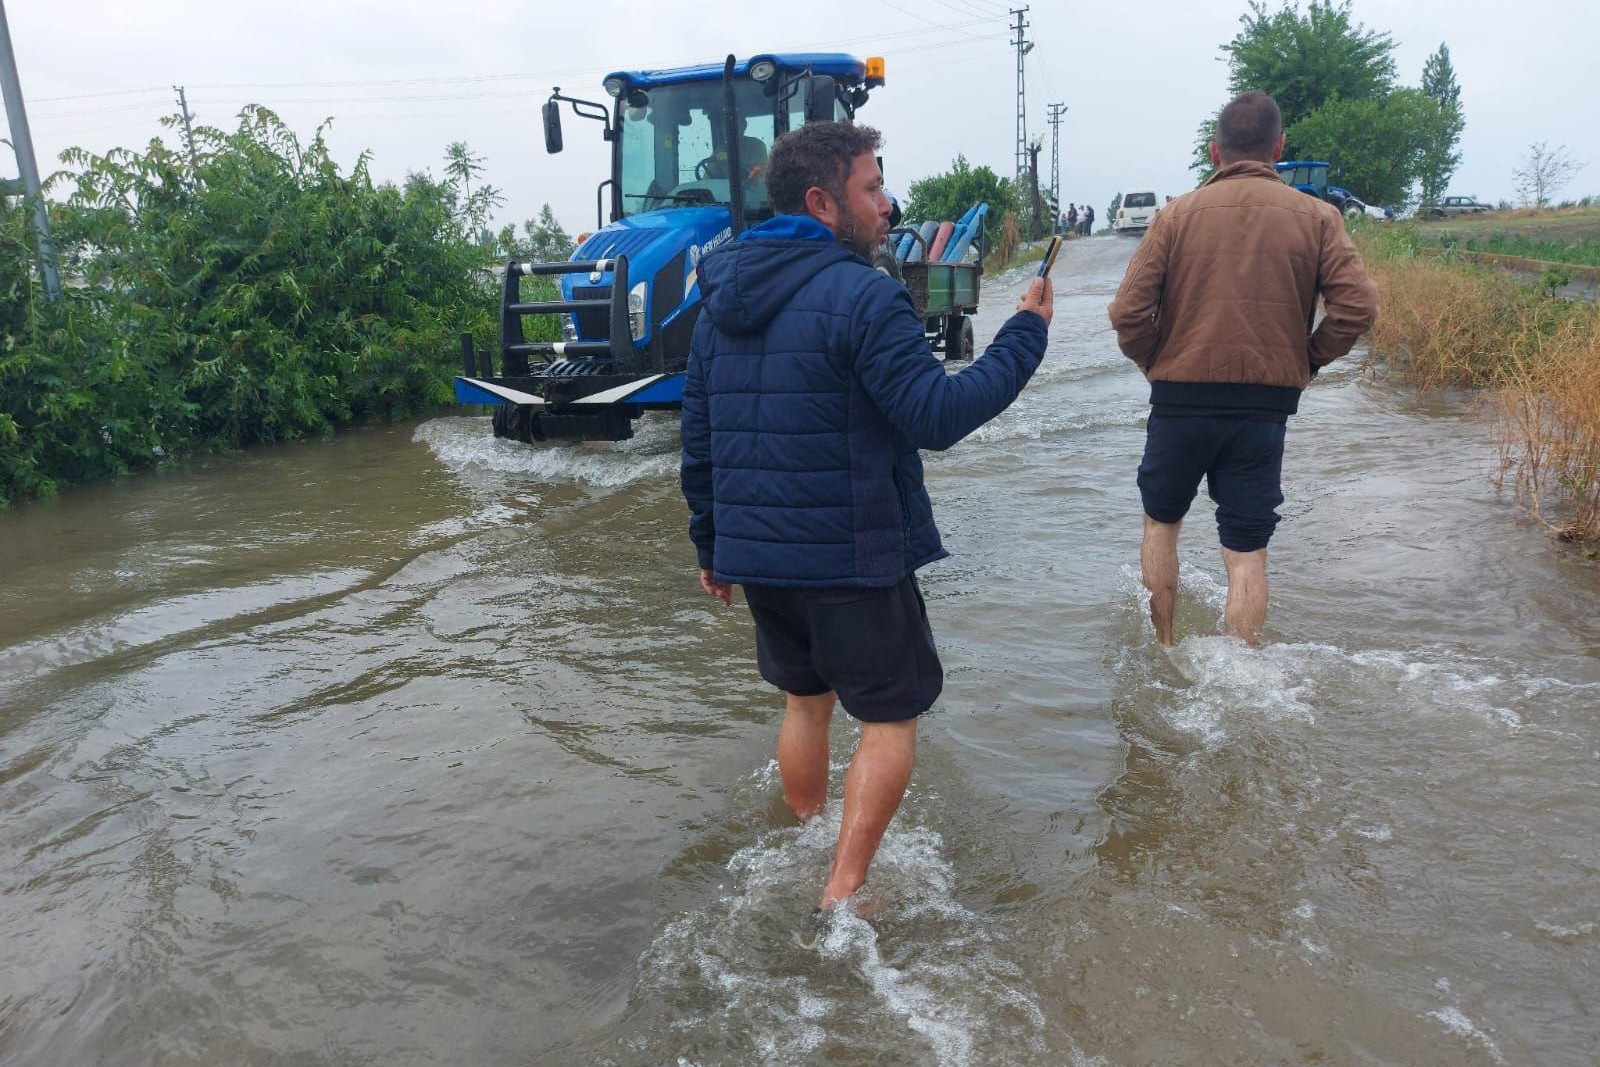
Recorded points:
1564,235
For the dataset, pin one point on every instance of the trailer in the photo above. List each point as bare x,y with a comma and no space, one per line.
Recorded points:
945,292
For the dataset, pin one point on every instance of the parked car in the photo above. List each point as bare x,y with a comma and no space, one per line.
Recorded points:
1137,212
1354,208
1451,206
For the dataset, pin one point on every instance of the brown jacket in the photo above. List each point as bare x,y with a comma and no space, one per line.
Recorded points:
1218,300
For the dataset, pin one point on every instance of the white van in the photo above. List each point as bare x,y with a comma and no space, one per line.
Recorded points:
1138,210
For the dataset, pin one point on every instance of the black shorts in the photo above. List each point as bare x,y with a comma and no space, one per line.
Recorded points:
1241,461
872,647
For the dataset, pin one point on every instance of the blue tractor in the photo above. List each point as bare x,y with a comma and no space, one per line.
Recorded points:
1311,176
688,163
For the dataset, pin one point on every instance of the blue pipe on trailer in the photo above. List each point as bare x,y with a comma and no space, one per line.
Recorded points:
961,241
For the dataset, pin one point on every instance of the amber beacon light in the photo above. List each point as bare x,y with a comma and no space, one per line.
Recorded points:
874,70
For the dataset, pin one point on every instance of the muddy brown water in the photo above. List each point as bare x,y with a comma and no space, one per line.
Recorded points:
416,747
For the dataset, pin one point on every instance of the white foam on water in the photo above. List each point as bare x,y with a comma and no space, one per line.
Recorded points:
1033,422
1566,933
484,518
740,972
1226,683
468,445
1457,1023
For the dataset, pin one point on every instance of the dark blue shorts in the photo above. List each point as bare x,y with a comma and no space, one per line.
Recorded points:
1241,461
872,647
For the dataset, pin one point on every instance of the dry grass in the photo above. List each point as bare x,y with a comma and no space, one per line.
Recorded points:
1536,359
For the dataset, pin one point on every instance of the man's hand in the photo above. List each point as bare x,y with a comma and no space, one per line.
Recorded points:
1039,299
721,590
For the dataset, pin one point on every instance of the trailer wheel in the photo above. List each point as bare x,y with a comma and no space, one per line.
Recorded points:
958,342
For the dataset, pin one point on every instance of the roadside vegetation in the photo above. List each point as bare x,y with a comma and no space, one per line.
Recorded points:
947,196
238,289
1447,323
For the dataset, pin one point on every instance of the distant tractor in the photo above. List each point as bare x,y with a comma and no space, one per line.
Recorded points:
1311,177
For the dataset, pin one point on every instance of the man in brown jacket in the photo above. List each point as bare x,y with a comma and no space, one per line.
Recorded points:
1217,307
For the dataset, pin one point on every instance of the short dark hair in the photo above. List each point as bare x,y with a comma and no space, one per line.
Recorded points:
817,154
1249,126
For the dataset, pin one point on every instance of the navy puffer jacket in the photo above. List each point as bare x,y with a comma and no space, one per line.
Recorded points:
810,388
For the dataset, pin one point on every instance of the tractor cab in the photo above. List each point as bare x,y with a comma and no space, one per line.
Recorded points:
1308,176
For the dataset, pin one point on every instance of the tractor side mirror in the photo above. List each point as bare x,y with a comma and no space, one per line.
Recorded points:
552,126
821,94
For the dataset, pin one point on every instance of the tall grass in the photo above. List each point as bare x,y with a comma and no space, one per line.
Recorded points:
1535,357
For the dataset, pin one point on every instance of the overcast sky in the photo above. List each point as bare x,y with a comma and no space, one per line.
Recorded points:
403,78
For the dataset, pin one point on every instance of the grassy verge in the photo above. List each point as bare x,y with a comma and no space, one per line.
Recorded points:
1534,357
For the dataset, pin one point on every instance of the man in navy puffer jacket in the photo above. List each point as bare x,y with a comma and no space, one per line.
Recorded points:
810,388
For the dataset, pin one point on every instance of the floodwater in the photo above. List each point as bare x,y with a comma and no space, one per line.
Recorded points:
416,747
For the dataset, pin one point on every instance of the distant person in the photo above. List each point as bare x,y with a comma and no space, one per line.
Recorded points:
1216,308
1072,218
1088,220
810,388
752,155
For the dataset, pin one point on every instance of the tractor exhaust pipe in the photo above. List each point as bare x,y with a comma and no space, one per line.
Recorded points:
730,119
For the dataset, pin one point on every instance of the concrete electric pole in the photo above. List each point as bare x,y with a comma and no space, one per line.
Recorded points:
1056,111
22,141
1024,46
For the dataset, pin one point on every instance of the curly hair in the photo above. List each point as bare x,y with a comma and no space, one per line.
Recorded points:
817,154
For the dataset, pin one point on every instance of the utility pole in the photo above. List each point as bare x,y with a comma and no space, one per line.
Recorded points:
1024,46
1056,111
27,167
1033,180
188,130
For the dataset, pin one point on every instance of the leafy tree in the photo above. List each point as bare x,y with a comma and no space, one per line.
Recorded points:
1305,60
1116,205
1301,60
1371,145
543,239
1543,172
1334,81
946,197
1438,156
472,206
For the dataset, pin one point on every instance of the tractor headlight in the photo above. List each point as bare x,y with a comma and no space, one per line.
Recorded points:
762,69
615,84
636,311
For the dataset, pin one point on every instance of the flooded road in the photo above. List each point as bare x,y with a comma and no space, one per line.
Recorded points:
417,747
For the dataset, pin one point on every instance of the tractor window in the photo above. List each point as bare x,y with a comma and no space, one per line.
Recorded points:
674,147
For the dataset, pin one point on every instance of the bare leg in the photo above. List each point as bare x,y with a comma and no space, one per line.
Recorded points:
873,787
1246,612
1158,559
803,752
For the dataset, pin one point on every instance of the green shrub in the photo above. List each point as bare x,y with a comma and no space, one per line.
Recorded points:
244,291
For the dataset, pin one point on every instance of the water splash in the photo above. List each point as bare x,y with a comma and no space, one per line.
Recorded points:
468,447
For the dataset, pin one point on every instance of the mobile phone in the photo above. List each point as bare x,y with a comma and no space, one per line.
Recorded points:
1049,260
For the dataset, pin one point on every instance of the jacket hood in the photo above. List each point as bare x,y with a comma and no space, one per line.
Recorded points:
745,283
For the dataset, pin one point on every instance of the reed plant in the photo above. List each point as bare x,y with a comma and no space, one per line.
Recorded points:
1534,357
